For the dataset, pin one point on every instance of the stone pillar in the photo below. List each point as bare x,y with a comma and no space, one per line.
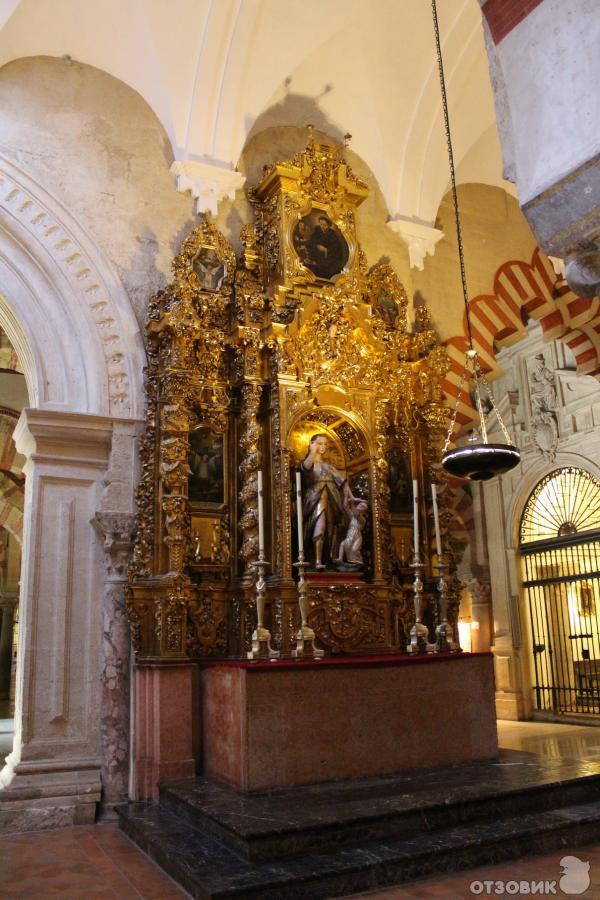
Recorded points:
511,701
481,614
544,66
117,530
53,775
479,584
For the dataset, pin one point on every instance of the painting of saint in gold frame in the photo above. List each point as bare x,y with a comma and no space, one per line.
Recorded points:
399,482
206,479
320,245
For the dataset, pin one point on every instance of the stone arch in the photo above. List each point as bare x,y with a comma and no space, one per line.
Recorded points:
71,324
520,289
88,357
534,289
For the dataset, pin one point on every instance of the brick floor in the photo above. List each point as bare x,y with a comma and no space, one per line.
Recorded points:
98,862
89,861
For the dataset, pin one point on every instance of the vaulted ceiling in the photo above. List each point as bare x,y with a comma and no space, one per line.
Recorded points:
215,71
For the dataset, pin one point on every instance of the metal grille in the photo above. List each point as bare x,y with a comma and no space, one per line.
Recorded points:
565,502
561,581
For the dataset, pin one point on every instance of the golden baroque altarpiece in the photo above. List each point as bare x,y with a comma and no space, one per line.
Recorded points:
248,359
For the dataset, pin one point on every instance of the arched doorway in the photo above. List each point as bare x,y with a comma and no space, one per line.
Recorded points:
70,325
13,398
559,542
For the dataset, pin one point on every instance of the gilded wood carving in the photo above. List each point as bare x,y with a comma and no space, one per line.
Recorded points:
249,359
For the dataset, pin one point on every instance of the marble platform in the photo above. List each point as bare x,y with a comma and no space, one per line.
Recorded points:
280,724
332,840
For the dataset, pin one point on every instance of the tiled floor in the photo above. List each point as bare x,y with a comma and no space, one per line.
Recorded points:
89,861
99,862
548,739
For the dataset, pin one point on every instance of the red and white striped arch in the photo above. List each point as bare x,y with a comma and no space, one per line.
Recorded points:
523,290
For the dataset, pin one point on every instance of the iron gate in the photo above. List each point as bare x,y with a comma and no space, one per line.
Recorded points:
560,559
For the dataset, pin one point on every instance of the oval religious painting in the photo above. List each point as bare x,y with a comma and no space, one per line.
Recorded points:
320,244
208,269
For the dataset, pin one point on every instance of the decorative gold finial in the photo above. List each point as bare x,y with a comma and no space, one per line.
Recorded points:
347,139
311,138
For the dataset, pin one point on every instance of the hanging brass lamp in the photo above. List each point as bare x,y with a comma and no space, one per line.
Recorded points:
478,460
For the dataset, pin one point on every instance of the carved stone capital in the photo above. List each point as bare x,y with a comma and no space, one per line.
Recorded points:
480,590
117,531
419,238
582,268
565,218
208,184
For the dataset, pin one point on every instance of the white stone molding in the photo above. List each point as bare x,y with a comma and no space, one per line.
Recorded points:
65,310
419,238
53,775
208,184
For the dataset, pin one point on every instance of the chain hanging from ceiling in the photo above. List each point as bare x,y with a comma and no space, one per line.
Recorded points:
478,461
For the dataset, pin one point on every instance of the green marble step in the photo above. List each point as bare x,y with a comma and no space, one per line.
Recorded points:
283,823
208,869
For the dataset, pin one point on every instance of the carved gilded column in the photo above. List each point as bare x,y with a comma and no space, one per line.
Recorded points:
249,465
381,493
116,530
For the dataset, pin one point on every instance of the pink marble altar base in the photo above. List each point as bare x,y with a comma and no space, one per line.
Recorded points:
163,743
269,725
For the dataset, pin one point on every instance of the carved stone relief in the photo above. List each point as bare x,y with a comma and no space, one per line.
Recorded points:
544,402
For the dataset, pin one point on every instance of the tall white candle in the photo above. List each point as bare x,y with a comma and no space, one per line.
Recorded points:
436,522
261,515
415,516
299,512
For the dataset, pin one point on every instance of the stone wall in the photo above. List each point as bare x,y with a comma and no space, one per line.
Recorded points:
567,433
545,67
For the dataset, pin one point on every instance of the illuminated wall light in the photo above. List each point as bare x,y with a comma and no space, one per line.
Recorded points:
464,634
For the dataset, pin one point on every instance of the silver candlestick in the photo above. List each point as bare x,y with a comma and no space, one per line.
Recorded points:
305,636
444,634
261,637
419,633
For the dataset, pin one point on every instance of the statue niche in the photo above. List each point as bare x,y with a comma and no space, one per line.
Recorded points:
335,495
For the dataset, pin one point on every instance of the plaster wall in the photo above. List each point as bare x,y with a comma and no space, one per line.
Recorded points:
494,230
553,111
545,68
95,145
